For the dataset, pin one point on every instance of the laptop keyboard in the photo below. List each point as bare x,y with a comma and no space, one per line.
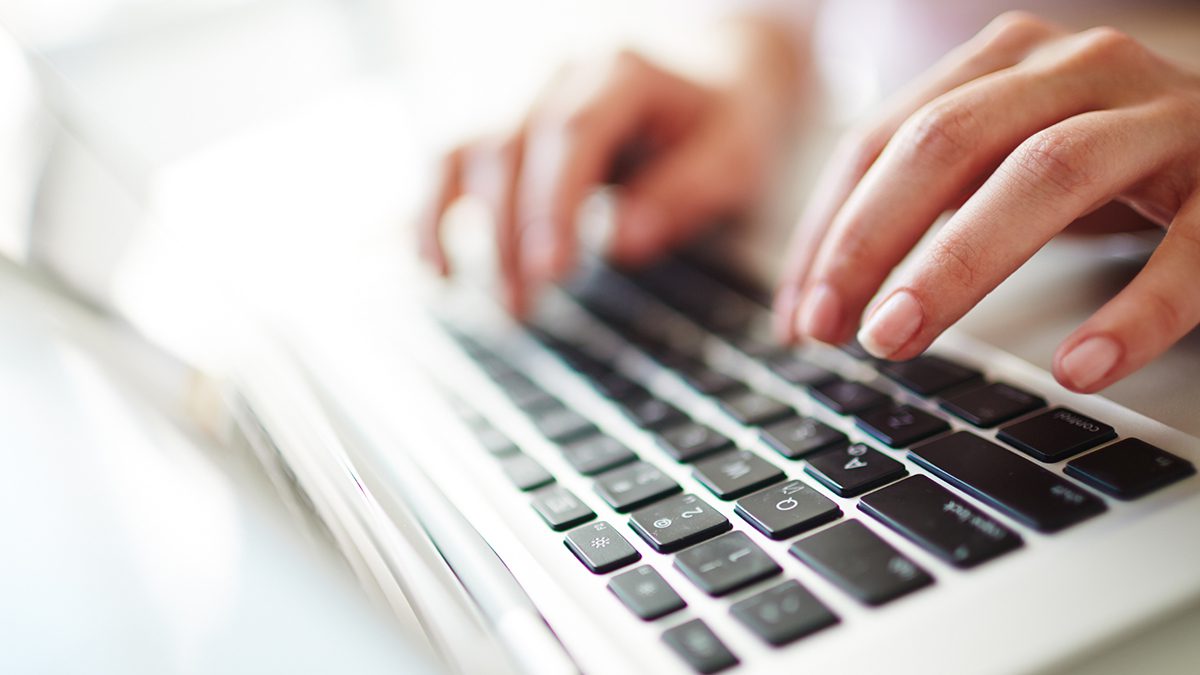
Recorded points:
787,498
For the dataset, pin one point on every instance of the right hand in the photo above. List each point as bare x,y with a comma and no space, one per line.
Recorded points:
708,152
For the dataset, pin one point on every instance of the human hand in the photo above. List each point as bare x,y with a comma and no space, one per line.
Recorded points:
1028,127
706,150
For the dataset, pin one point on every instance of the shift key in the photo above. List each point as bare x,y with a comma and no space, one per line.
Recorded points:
1026,492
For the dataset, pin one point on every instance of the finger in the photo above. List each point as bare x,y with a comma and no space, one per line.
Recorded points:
1003,43
1044,185
680,192
571,149
935,156
429,229
492,170
1154,311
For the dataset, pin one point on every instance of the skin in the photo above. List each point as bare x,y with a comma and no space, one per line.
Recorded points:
1025,129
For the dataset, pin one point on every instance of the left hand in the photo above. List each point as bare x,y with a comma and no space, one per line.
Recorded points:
1034,127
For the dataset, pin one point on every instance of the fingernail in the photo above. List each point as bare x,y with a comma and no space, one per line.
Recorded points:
1090,361
821,314
637,232
539,258
892,325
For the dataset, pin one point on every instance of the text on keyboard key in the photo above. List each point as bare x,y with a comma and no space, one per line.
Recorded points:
939,521
854,469
600,547
677,522
783,510
732,474
633,485
1056,434
690,441
1130,469
857,560
900,425
646,593
725,564
696,644
798,437
849,398
992,404
783,614
560,508
1026,492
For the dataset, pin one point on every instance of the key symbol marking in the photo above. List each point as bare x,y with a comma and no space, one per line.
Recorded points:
787,504
855,463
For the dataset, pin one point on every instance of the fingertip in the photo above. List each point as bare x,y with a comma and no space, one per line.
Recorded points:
1086,365
820,315
638,232
783,313
892,326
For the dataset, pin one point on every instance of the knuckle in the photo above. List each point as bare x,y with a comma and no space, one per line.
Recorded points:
1165,311
1011,28
1105,41
955,258
942,133
1060,160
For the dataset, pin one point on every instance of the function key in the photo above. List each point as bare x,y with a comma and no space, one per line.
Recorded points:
1056,434
1130,469
696,644
601,548
783,614
725,564
787,509
797,437
798,371
992,404
690,440
730,475
852,470
560,508
591,455
845,397
650,412
646,593
751,408
901,425
862,564
634,485
561,424
525,472
1026,492
939,521
928,375
677,522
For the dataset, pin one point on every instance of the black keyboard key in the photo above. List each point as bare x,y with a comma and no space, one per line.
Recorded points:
524,393
650,412
696,644
862,564
646,593
560,508
1056,434
594,454
751,408
706,380
633,485
494,440
939,521
1026,492
783,510
561,424
677,522
725,564
856,350
601,548
854,469
992,404
901,425
615,385
849,398
798,437
690,441
784,613
928,375
525,472
798,371
1130,469
732,474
